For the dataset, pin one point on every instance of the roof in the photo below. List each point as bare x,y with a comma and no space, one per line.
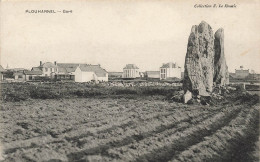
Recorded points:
232,75
152,72
33,72
254,74
67,67
48,65
115,73
18,73
100,72
167,65
131,66
1,69
36,69
242,70
17,69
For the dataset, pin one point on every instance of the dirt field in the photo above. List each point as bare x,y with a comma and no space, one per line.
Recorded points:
128,129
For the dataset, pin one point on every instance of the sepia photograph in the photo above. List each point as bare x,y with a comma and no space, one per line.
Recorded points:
129,81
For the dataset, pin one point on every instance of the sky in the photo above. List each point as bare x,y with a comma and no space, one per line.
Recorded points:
115,33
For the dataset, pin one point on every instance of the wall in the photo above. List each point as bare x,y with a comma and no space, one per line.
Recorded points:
171,72
174,72
103,78
78,75
19,79
131,73
88,76
153,75
242,73
50,71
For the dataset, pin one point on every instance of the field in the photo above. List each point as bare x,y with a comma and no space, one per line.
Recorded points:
95,123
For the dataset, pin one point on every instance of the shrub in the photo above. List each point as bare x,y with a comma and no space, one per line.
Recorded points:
14,95
120,91
44,94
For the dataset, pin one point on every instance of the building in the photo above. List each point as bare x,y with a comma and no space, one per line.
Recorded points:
141,74
2,70
152,75
87,73
66,71
114,75
182,75
131,71
16,69
170,71
241,73
31,75
26,75
48,69
72,71
254,76
19,76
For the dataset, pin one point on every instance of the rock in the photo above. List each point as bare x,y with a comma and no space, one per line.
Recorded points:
199,61
205,100
177,98
231,88
187,96
190,102
221,75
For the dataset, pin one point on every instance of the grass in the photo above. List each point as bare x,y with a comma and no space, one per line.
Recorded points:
24,91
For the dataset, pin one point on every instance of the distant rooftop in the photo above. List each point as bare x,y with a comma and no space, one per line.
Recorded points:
67,67
48,65
152,72
1,69
170,64
131,66
32,72
100,72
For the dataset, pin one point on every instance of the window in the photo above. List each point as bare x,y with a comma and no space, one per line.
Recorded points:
30,77
163,76
46,69
20,76
163,70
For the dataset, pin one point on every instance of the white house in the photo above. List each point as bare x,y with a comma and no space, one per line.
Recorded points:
86,73
72,71
66,71
48,69
169,71
131,71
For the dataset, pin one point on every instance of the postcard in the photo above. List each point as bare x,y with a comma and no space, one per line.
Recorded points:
128,80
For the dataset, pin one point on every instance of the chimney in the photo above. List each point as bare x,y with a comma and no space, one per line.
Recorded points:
40,63
55,62
170,64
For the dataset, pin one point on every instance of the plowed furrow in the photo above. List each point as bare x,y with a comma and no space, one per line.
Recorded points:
132,138
163,147
230,143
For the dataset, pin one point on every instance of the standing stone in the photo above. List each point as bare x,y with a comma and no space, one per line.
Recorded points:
221,75
187,96
199,61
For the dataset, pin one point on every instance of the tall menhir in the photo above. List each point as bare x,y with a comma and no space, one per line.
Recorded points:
221,75
199,61
205,60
